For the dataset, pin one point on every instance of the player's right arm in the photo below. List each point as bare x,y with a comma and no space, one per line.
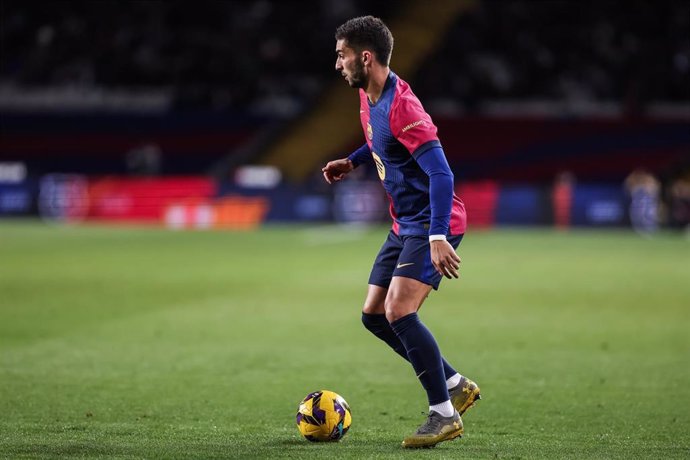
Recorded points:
337,169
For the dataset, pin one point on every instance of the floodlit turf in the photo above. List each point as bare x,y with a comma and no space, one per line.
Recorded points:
144,343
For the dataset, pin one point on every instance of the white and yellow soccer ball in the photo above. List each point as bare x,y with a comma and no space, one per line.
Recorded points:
323,416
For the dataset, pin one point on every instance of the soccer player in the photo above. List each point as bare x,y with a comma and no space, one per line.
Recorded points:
428,220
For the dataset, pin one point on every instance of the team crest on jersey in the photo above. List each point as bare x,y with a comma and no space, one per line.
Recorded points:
379,166
370,132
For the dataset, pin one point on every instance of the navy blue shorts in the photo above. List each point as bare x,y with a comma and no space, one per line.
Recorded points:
408,256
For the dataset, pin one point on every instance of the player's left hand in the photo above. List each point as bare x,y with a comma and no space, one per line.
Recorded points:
445,259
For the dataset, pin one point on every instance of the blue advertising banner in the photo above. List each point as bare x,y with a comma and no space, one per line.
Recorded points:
599,205
17,199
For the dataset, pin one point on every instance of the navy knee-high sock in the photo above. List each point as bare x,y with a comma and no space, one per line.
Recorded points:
381,328
424,355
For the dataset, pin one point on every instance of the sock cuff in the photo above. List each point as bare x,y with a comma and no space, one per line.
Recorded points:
454,380
400,325
374,319
443,408
373,315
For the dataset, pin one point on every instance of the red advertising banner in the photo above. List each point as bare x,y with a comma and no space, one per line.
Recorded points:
144,199
481,199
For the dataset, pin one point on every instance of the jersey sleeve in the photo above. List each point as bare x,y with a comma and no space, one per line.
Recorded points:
412,126
361,155
433,162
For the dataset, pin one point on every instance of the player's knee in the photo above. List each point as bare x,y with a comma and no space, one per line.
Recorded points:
374,302
392,316
371,309
392,306
397,310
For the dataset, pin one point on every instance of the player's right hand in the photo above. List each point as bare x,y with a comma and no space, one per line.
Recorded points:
444,258
337,169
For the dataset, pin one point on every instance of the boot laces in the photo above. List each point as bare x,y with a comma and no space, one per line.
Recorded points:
432,424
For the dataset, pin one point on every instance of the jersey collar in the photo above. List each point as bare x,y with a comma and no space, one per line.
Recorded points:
390,84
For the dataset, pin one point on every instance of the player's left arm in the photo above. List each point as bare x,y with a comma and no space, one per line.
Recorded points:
433,162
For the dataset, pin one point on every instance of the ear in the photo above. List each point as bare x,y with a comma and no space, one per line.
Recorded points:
367,57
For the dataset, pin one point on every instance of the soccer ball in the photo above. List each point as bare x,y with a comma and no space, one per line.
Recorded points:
323,416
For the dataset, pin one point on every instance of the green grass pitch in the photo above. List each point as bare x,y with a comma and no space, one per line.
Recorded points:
146,343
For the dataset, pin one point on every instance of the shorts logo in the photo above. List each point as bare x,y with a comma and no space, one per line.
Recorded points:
370,132
405,265
379,166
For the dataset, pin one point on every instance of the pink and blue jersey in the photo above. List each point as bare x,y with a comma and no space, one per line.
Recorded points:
402,141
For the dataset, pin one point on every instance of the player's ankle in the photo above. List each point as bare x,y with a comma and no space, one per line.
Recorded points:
453,381
444,409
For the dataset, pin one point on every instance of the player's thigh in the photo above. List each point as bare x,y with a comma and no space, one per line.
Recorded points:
415,260
405,296
375,301
386,260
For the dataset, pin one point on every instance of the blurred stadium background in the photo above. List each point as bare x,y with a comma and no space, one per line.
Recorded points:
221,114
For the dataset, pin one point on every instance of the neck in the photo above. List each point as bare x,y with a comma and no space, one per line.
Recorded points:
377,80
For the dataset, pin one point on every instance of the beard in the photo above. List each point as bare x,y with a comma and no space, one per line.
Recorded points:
357,78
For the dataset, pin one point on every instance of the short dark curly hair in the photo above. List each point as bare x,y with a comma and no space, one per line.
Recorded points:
367,32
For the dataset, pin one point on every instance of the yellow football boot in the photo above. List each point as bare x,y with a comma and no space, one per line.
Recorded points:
464,395
436,429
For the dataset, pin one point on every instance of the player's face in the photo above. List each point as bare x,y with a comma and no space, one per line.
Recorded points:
350,64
